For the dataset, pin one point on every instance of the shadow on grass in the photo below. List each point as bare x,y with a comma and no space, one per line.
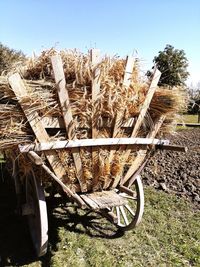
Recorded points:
15,244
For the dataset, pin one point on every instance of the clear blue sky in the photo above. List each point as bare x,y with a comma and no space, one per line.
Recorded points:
114,26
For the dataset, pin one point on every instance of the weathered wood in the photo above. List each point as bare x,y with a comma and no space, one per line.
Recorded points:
130,61
35,158
90,202
95,60
67,114
126,82
172,148
74,196
143,111
142,154
103,199
147,102
38,161
33,118
58,123
189,124
56,145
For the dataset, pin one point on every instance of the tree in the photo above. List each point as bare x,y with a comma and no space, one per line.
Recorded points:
194,98
8,57
173,65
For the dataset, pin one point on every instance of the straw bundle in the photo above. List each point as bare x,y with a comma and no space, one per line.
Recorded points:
114,98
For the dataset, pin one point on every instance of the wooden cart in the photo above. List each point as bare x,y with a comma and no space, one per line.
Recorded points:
122,202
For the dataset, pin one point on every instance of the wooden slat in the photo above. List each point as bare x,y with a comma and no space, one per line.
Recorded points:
56,145
58,122
147,102
90,202
33,118
38,161
143,111
142,154
103,199
67,114
95,60
126,82
130,61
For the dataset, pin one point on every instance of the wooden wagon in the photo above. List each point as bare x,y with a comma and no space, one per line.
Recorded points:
121,199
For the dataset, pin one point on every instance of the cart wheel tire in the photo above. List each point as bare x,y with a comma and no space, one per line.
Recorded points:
37,219
129,216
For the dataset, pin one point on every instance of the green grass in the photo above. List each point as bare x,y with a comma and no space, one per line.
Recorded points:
169,235
190,118
1,158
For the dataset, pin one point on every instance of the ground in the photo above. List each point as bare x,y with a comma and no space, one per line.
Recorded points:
177,172
169,234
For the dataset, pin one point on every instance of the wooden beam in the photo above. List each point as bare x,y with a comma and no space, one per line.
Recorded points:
95,60
58,122
126,82
141,153
143,111
99,142
104,199
189,124
33,118
38,161
130,61
67,114
176,148
145,106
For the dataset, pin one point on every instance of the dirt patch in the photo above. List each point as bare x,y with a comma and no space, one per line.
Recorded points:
176,172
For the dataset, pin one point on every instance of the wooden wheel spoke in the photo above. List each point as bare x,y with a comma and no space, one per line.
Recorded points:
128,214
130,210
128,197
124,215
118,216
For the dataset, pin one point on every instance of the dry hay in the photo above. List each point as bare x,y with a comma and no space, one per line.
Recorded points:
113,98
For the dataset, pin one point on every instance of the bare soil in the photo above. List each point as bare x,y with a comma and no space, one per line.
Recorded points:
176,172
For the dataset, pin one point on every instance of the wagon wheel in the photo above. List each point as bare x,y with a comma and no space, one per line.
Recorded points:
37,218
129,215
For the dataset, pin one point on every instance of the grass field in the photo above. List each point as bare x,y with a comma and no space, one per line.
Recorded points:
169,235
190,118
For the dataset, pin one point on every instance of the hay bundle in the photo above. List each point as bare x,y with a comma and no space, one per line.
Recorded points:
114,98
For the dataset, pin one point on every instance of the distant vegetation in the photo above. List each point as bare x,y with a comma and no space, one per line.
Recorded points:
8,57
173,65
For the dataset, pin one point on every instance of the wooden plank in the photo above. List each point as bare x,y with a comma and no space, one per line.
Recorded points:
176,148
38,161
126,82
142,154
100,142
147,102
67,114
143,111
189,124
130,61
33,118
95,60
58,122
90,202
104,199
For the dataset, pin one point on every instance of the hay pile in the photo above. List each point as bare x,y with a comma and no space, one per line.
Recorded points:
114,98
